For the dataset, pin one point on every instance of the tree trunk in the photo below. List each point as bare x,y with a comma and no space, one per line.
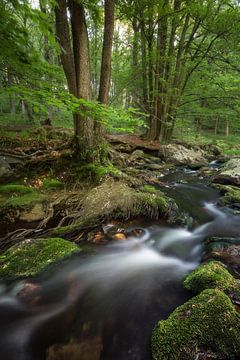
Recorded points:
135,61
83,124
106,62
107,52
144,69
216,126
227,128
66,55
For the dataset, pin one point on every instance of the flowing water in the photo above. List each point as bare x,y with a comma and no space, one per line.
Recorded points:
106,305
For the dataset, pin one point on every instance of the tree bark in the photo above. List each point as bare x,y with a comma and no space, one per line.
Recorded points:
105,77
107,52
144,68
66,54
83,124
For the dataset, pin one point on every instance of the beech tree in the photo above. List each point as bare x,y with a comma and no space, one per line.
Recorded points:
75,59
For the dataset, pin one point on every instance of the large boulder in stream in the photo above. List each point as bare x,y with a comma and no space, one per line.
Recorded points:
32,256
206,324
230,173
180,155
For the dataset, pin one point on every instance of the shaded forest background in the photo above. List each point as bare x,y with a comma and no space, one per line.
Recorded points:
162,69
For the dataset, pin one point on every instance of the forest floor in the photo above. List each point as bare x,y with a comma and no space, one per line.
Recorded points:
51,205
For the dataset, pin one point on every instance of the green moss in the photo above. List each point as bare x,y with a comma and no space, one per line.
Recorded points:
232,195
149,189
15,189
52,184
207,322
117,200
31,256
18,200
97,172
212,275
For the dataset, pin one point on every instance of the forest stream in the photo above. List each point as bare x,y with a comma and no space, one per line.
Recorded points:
105,305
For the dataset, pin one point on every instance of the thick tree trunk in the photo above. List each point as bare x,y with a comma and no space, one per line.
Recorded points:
83,124
66,55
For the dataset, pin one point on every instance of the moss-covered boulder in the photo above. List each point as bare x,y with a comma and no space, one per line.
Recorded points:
209,321
31,256
212,275
231,194
116,200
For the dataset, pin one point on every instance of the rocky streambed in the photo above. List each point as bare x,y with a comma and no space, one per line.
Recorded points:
88,270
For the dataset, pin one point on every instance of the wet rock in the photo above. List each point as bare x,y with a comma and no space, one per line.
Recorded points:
180,155
5,170
88,348
137,154
32,256
154,167
197,165
230,173
35,214
30,293
201,323
231,195
225,250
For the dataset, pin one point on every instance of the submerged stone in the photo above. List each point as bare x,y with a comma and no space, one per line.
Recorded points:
32,256
209,321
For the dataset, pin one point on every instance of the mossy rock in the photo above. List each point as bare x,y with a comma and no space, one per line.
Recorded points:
116,200
31,256
231,194
209,321
212,275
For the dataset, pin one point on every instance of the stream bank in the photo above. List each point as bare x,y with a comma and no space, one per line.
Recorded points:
93,214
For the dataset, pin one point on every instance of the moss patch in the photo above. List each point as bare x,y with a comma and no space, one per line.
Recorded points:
31,256
19,200
212,275
117,200
231,194
52,184
150,189
96,172
15,189
207,322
